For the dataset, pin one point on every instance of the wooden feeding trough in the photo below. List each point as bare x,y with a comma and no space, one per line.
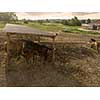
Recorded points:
19,30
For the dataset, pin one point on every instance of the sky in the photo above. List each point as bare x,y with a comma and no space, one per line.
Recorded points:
59,8
50,5
57,15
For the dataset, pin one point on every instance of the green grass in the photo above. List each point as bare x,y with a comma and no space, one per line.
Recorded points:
46,26
53,27
2,25
75,29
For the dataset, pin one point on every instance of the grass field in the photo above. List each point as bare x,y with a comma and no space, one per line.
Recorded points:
2,25
54,27
47,26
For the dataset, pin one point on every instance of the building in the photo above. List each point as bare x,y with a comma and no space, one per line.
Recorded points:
85,26
92,26
95,25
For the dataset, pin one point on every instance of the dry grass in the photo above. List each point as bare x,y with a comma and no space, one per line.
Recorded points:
75,65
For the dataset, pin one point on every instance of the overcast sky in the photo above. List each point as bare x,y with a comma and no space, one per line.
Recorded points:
58,15
50,5
59,7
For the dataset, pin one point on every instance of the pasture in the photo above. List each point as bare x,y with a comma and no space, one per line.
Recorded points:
76,64
54,27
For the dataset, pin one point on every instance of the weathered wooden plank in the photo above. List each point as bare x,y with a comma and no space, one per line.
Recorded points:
20,29
8,49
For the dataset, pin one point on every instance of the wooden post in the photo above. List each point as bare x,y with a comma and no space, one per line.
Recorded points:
8,49
38,39
18,36
53,55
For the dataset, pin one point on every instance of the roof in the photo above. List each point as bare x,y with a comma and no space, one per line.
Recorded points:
85,24
97,22
21,29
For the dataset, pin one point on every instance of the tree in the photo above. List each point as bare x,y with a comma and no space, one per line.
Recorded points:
74,22
64,22
40,21
88,21
77,22
83,21
47,20
8,17
25,21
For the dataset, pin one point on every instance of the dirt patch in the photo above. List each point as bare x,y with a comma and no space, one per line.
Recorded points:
75,65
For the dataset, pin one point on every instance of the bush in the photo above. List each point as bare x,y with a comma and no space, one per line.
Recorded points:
72,22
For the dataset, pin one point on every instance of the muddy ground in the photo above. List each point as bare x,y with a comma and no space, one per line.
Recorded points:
75,65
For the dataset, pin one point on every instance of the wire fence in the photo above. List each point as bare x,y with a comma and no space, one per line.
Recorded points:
76,38
62,38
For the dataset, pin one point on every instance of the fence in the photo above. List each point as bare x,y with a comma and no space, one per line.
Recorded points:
76,38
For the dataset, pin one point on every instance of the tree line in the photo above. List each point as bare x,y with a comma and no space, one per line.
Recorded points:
11,17
70,22
8,17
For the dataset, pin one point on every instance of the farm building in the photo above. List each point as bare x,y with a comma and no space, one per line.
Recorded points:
85,26
92,26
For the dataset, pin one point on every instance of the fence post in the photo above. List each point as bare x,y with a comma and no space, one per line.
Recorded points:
8,49
53,57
